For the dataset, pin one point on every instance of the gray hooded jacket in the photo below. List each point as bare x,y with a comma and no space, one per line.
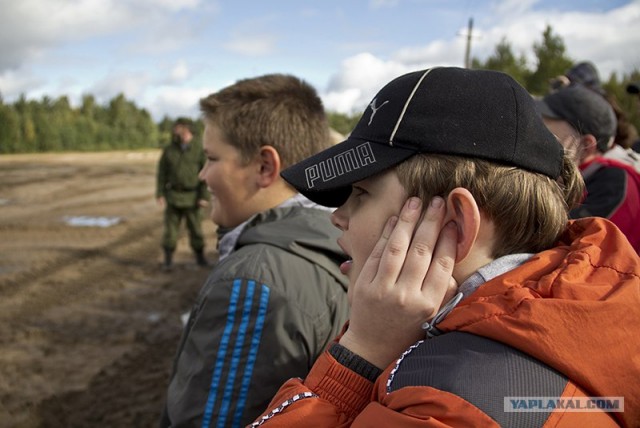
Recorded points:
264,315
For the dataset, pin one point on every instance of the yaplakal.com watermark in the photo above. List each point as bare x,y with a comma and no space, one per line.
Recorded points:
574,404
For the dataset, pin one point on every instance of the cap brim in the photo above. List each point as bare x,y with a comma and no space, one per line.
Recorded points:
544,110
633,88
326,177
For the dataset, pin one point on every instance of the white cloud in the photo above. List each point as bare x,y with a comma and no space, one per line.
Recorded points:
16,82
610,40
156,51
170,5
180,71
343,100
176,101
377,4
358,81
254,36
28,27
252,44
439,52
133,85
309,12
512,9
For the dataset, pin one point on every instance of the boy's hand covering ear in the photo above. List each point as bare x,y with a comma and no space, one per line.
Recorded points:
404,282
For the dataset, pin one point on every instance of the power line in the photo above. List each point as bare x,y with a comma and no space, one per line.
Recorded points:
467,63
469,36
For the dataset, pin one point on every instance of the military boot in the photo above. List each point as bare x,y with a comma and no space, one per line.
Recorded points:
168,260
200,258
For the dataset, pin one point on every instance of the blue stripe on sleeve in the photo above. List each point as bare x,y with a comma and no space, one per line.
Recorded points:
253,352
222,350
237,353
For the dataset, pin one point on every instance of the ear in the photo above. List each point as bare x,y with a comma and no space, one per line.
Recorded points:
269,166
589,146
463,210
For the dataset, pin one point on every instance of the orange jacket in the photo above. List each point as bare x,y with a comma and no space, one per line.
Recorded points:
575,308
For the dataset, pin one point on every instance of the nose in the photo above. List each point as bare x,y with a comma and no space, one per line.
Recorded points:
339,219
201,175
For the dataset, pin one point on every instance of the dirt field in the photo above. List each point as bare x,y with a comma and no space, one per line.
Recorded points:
88,322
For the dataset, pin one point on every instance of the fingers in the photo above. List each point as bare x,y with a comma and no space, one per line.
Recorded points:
438,284
423,243
415,251
419,256
395,251
403,281
370,268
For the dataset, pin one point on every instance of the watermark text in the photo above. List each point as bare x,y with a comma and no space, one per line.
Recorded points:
573,404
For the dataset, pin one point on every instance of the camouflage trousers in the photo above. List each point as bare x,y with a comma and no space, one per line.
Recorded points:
173,217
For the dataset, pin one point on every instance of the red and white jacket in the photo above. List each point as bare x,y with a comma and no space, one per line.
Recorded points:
613,192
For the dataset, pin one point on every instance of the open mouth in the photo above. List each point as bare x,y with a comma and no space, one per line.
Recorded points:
346,266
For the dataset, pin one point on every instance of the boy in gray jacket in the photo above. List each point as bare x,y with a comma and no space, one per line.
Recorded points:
276,298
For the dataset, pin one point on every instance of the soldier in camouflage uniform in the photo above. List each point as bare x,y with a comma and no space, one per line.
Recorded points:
180,191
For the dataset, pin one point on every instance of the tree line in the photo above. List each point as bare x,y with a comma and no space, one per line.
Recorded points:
49,125
553,60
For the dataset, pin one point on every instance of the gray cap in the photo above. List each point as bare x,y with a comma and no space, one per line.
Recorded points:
587,74
587,111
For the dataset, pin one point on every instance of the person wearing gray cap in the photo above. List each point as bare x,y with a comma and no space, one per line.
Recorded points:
469,288
586,73
633,88
585,124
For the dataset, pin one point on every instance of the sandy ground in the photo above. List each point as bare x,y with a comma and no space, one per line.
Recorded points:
88,322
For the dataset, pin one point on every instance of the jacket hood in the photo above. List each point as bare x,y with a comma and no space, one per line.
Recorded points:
575,307
305,232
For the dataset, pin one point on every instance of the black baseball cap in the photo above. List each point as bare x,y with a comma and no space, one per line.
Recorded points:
585,110
586,74
633,88
455,111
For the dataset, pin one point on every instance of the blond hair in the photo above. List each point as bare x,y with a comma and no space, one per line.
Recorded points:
529,210
277,110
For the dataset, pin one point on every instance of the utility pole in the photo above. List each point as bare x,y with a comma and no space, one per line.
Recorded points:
467,60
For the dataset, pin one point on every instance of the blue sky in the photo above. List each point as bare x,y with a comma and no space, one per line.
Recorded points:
167,54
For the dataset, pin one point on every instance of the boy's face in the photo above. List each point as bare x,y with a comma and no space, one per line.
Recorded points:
230,182
567,136
363,216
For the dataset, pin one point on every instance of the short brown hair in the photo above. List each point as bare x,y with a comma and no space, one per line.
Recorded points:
185,121
530,210
277,110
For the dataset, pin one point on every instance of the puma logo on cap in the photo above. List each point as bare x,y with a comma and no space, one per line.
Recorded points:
340,164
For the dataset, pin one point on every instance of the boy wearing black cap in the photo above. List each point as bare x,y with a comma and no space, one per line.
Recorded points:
585,124
512,297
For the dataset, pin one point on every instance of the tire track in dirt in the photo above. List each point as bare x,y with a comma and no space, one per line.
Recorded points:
89,325
41,280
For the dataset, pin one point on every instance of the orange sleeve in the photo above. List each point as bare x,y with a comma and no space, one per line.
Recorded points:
331,395
421,406
334,396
